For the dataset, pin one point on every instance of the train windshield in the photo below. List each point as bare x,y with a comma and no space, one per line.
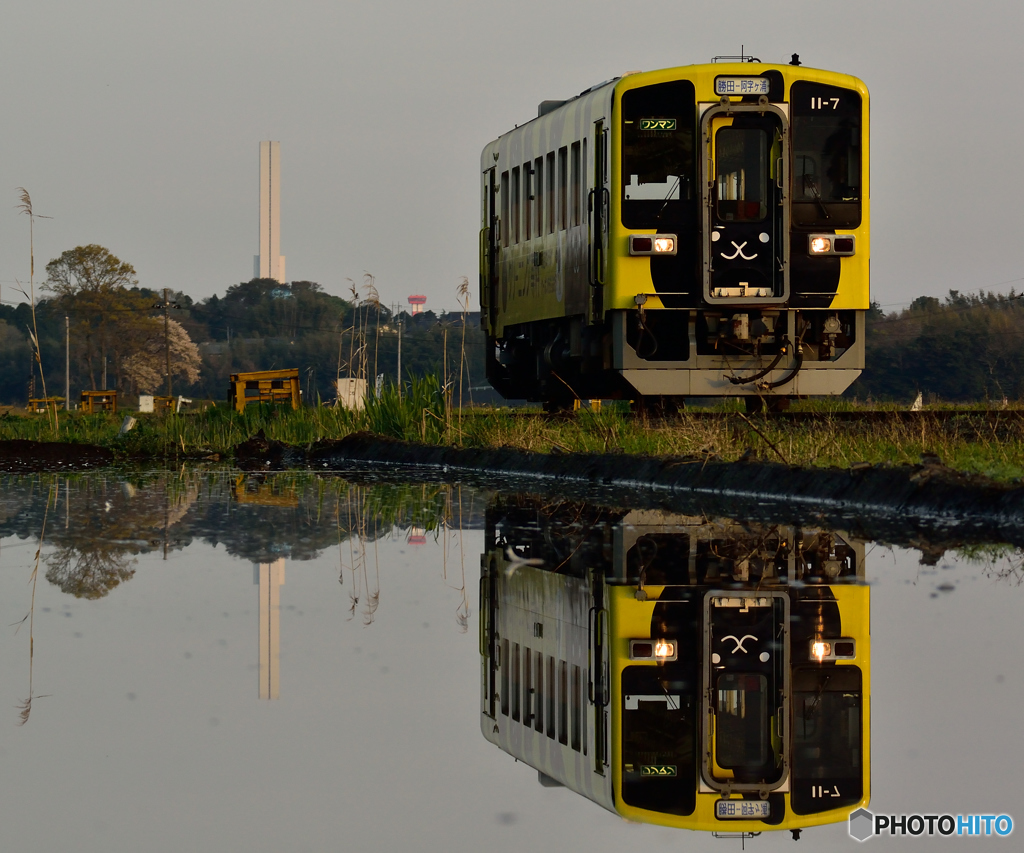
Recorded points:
657,154
658,739
827,151
827,738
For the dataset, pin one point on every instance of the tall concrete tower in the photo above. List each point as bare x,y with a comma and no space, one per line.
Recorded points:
269,263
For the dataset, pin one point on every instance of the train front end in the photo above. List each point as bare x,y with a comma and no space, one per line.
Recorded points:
738,240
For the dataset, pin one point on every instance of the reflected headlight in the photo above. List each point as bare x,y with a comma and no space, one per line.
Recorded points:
655,244
664,649
653,650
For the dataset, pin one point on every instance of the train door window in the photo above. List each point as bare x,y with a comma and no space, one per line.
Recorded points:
657,154
538,193
741,167
538,722
506,221
563,184
552,696
584,171
575,184
550,170
505,666
516,691
563,702
515,205
827,154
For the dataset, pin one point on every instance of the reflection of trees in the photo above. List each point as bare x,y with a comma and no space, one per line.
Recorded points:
88,573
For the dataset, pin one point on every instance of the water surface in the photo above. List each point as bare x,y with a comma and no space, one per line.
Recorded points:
216,662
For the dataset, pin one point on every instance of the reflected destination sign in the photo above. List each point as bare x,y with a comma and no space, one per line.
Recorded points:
742,86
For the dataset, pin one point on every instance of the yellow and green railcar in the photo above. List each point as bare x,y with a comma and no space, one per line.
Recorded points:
700,231
700,675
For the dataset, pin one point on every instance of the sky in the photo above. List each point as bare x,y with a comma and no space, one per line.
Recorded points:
137,126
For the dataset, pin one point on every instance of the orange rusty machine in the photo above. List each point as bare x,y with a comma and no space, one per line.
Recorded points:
265,386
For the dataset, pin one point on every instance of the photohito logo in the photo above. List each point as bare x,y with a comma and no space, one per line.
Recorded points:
864,824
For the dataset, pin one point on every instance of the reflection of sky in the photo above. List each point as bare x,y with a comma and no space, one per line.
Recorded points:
153,738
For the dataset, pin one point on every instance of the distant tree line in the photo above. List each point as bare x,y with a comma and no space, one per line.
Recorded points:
967,347
117,333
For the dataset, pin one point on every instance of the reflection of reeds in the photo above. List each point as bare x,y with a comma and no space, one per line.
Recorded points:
25,708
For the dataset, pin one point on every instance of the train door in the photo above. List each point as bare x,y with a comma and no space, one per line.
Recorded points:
600,674
745,714
745,204
598,210
488,628
489,241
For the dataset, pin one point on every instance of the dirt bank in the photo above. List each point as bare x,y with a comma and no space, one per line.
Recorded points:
895,504
22,457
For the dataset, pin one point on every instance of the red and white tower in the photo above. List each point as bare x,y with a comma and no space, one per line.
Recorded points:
417,302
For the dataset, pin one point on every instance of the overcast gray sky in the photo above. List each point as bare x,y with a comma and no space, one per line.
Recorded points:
136,126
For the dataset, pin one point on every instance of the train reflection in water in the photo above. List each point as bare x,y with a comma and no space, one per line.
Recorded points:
699,674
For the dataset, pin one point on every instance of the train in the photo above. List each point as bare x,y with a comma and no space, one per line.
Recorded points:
709,675
692,232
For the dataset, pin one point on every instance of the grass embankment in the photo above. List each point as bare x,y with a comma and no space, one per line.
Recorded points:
993,446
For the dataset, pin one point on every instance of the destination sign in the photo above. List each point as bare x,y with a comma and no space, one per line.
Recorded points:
742,86
657,124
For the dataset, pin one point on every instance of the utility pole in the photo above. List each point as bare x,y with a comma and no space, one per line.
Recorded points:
167,341
399,358
67,364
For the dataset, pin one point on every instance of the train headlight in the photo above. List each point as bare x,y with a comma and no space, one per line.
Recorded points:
820,650
656,244
665,650
831,244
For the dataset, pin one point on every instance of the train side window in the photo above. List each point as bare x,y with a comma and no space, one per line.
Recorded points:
529,694
551,192
563,185
538,192
505,666
515,223
563,702
528,200
577,709
538,723
516,692
575,184
552,692
506,221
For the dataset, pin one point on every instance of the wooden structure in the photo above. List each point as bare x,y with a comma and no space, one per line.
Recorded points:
99,401
265,386
41,404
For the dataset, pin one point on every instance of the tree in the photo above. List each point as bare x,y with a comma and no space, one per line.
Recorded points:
145,365
92,285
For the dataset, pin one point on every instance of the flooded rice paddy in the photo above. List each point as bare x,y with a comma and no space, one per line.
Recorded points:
213,661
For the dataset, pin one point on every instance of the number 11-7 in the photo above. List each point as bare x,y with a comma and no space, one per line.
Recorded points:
824,103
